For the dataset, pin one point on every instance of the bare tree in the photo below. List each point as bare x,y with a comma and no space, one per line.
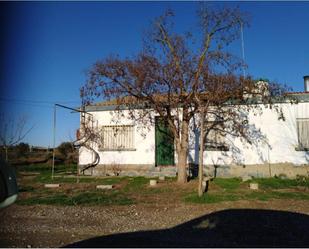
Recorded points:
225,106
175,74
86,136
12,131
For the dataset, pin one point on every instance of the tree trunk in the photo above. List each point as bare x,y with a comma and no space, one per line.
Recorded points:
182,151
182,166
201,152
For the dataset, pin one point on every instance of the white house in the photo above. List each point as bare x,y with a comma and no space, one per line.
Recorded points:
280,147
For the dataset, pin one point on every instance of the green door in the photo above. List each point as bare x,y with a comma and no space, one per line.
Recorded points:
164,144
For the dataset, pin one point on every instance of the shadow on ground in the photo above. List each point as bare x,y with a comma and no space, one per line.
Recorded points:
228,228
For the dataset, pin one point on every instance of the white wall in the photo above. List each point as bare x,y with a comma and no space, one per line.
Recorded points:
274,141
144,141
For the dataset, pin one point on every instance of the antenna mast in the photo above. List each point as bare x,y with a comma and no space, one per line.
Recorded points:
242,47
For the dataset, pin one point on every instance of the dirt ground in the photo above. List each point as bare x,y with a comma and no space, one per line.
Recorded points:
62,226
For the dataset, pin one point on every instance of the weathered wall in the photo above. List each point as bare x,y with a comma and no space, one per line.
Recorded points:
258,170
144,140
273,143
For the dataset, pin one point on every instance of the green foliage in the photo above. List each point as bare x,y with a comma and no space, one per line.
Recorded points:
46,178
136,184
277,183
211,198
256,195
96,197
233,191
22,149
44,168
133,189
107,180
38,168
302,180
65,148
86,198
227,183
264,196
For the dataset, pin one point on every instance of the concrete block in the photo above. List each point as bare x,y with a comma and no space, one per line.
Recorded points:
153,182
162,178
51,185
254,186
105,186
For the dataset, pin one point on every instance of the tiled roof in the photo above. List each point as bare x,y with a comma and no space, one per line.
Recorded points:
124,100
131,100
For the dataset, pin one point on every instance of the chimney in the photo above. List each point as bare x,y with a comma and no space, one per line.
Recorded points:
306,83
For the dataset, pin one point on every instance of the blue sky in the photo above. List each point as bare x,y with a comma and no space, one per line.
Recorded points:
46,47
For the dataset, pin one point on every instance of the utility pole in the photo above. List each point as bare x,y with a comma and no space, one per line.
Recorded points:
242,48
54,142
54,130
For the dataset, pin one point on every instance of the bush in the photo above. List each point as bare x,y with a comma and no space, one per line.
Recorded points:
65,149
22,149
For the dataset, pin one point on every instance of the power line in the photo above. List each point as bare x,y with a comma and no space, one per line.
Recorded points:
34,103
37,101
28,104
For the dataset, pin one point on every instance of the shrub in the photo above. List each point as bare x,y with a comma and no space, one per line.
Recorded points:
22,149
65,148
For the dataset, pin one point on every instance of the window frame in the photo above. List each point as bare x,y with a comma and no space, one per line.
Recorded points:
111,148
216,146
300,146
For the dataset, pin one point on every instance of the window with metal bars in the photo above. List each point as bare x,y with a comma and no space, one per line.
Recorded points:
303,133
117,137
215,137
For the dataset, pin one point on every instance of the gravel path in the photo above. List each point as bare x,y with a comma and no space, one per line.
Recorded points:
57,226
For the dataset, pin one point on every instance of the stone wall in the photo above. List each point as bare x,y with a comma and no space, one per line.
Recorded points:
147,170
285,170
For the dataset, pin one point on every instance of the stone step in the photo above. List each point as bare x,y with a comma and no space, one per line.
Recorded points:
166,170
158,174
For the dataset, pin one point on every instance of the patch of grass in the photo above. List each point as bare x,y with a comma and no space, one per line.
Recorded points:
71,169
34,168
45,168
110,180
291,195
255,195
57,199
228,183
135,189
136,184
211,198
264,196
60,175
96,197
85,198
171,179
46,178
277,183
158,190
